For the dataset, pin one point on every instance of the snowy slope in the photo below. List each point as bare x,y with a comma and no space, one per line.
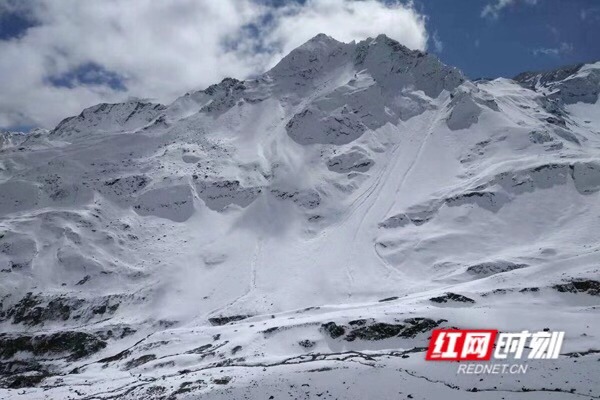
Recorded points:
285,236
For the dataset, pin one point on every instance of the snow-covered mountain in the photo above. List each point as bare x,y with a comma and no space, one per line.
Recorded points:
299,235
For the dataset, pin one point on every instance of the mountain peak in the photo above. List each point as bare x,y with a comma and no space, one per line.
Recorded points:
109,116
397,67
569,84
320,40
312,56
392,45
392,64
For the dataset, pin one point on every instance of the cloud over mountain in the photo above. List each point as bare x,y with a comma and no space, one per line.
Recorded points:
70,54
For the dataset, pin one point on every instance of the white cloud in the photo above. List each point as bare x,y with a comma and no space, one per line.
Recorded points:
493,10
438,45
163,48
554,30
348,20
590,14
563,48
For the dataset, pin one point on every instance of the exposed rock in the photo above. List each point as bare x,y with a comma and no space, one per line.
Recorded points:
219,194
109,117
226,320
306,343
377,331
493,267
351,161
23,380
172,202
306,199
529,290
222,381
586,177
313,126
540,137
333,330
570,84
419,325
70,344
373,330
395,221
200,350
451,297
139,361
464,111
587,286
35,309
357,322
490,201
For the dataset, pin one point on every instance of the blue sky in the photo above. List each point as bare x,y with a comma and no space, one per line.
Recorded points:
524,36
60,56
520,35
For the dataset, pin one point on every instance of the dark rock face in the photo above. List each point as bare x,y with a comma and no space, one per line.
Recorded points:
490,201
222,381
419,325
540,137
357,322
492,268
452,297
499,191
586,177
587,286
333,330
119,356
395,221
313,126
307,344
119,115
200,350
136,362
417,215
580,87
271,330
124,186
70,344
372,330
308,199
301,66
35,309
529,290
530,79
377,331
23,380
236,349
424,71
226,320
19,374
226,94
218,195
351,161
